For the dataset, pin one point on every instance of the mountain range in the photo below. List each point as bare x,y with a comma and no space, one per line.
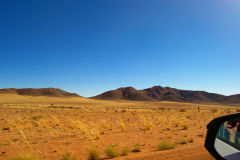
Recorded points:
52,92
156,93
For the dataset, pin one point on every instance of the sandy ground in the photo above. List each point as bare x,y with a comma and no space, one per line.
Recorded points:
48,128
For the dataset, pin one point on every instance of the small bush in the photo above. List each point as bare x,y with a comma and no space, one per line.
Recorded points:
161,108
147,125
238,110
201,134
228,111
177,123
182,110
165,145
123,127
93,154
68,156
125,151
182,142
36,118
24,157
214,110
137,148
123,110
111,152
190,140
185,126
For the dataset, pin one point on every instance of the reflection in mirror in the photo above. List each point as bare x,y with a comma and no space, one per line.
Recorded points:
227,142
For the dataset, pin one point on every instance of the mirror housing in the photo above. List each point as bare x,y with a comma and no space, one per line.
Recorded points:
212,131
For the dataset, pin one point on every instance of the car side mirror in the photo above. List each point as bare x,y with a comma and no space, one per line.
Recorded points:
223,137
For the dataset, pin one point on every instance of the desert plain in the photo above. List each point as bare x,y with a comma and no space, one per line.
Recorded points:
53,128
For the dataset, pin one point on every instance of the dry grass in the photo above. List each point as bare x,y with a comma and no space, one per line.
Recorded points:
111,152
165,145
125,151
122,126
24,156
31,124
137,148
93,154
68,156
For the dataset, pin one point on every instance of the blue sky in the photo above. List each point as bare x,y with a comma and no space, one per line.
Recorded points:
89,47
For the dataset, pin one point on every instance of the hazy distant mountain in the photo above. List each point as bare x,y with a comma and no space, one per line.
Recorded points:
158,93
53,92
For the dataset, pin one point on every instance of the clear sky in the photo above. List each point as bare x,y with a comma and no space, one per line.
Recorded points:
89,47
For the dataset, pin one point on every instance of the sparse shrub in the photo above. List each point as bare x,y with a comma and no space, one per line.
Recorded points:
165,145
190,140
182,142
177,124
201,134
68,156
189,117
137,148
122,126
182,110
93,154
125,151
123,110
107,126
185,126
214,110
111,152
161,108
228,111
147,125
36,118
24,157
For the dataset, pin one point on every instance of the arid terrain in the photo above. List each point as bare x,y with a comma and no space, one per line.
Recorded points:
55,128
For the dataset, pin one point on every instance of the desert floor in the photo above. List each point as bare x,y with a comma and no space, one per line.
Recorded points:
59,128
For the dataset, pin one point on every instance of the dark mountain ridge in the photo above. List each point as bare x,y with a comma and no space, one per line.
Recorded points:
158,93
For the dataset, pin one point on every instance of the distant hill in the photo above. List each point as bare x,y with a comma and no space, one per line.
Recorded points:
158,93
53,92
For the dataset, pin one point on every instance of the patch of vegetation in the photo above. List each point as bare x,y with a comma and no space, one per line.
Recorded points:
36,118
182,142
111,152
123,110
161,108
177,124
137,148
122,126
68,156
93,154
24,157
185,126
182,110
165,145
125,151
201,135
147,125
190,140
5,144
228,111
214,110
